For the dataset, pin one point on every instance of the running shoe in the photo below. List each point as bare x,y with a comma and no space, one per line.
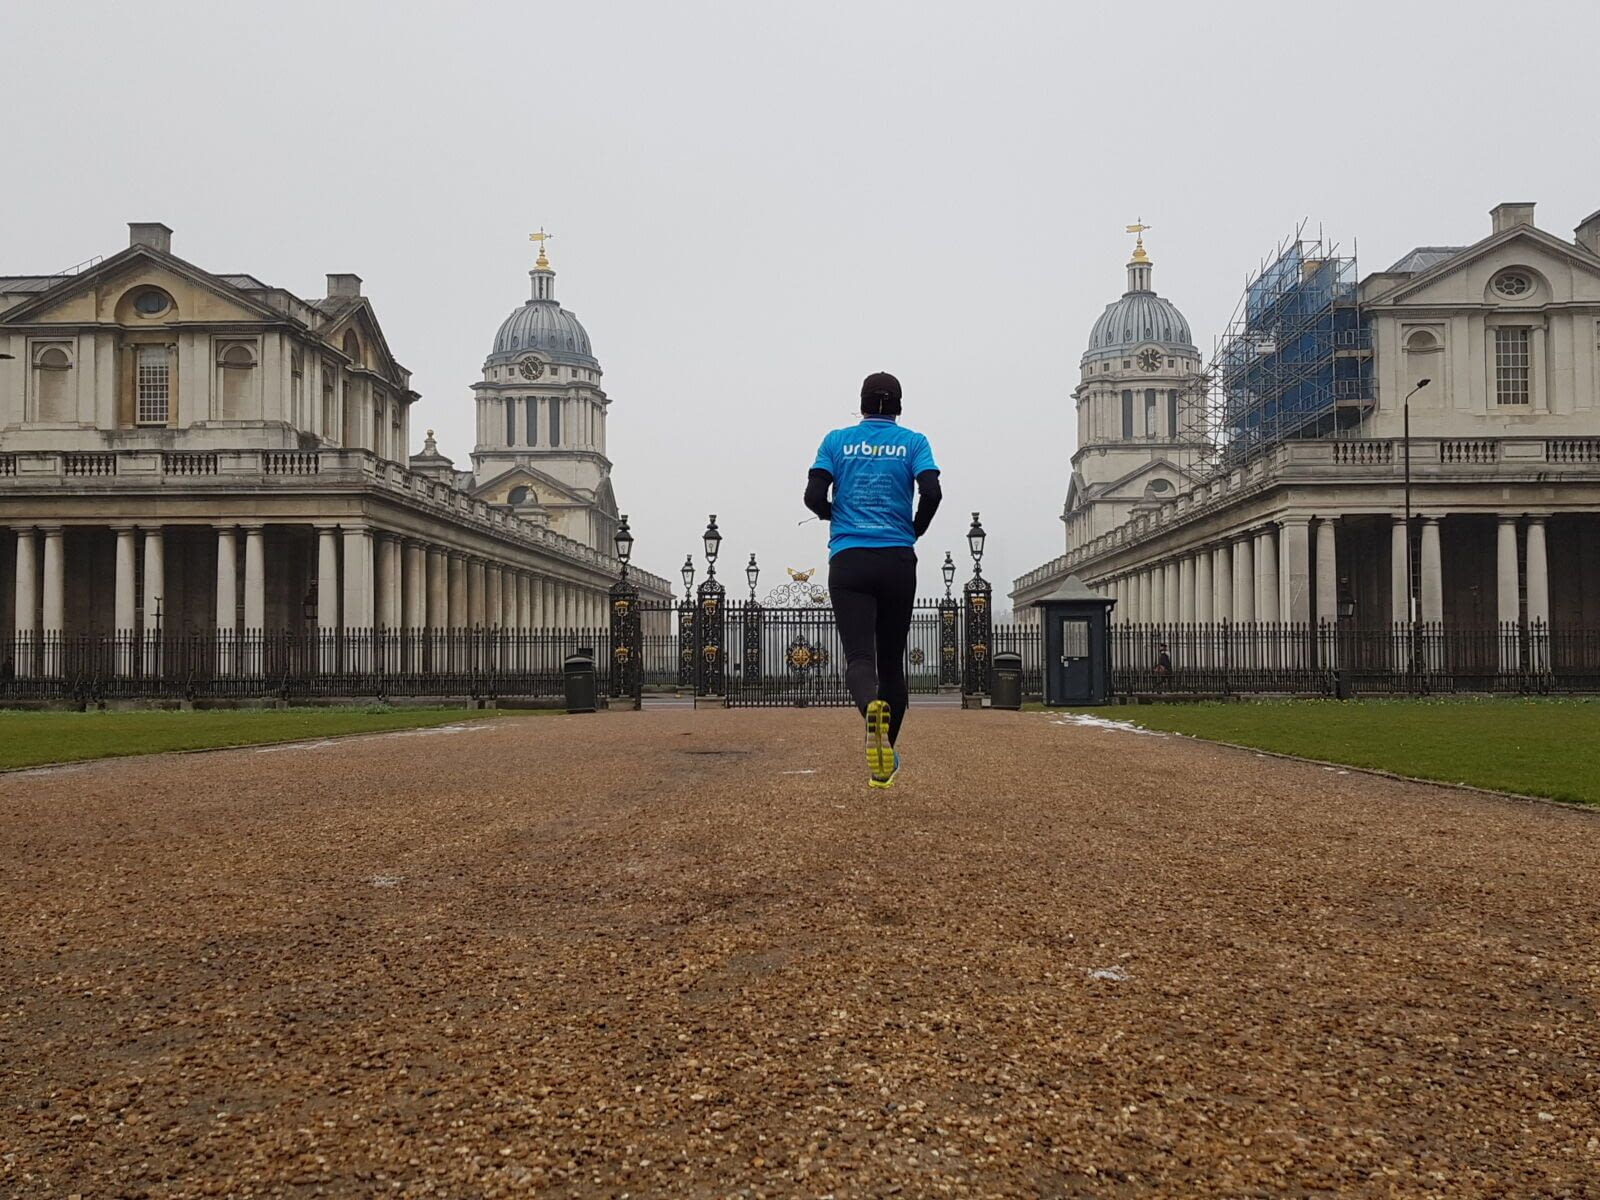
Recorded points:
881,765
893,774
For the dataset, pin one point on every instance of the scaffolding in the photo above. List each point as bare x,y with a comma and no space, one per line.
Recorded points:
1295,361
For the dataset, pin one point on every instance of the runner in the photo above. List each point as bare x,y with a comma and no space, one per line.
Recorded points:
872,566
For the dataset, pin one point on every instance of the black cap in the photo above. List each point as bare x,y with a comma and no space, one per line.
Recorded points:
880,395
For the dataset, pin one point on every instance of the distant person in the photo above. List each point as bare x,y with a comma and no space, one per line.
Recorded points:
872,566
1163,662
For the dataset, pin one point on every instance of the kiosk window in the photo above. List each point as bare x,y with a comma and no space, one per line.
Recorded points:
1074,638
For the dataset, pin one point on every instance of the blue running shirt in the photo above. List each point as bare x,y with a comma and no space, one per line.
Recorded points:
874,467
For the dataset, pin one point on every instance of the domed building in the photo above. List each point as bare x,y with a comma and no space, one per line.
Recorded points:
1135,443
541,434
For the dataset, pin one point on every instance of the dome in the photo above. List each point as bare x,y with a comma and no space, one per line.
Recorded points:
1137,318
545,326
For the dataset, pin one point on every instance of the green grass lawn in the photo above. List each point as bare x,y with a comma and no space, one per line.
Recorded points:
31,738
1534,747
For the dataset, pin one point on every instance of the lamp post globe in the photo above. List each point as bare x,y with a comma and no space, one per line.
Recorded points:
688,574
949,573
712,538
624,541
975,539
752,573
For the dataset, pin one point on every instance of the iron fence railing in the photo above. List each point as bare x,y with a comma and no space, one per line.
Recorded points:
485,663
1226,658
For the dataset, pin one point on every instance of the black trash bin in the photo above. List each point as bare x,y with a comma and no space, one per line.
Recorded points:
1006,691
579,681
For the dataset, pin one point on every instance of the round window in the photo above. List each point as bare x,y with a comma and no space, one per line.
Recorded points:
151,303
1513,284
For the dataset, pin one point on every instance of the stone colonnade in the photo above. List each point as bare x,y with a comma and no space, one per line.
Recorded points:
365,579
1265,573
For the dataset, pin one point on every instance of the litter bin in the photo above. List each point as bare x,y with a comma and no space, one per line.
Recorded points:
1006,692
578,677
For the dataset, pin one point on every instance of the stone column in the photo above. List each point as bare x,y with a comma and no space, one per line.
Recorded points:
1508,594
1222,582
1538,573
456,607
327,578
524,601
155,586
1508,586
358,599
1294,571
475,616
438,613
55,598
1538,590
413,603
1244,579
251,653
1399,574
1327,571
386,600
1152,584
127,600
1267,577
227,595
1172,593
1186,589
27,598
1204,589
1432,572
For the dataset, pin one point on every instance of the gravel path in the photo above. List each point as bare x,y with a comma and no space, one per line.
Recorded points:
690,954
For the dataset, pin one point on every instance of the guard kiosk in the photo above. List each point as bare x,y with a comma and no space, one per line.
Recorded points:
1077,644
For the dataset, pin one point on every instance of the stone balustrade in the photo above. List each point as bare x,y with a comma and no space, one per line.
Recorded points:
1331,460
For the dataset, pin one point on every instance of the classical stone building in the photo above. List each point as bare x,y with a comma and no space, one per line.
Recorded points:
203,452
1289,504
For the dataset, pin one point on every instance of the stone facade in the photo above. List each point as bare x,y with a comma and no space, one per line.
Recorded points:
204,453
1505,460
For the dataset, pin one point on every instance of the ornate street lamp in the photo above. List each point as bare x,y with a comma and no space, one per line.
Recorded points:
949,573
688,577
975,539
712,538
624,540
751,574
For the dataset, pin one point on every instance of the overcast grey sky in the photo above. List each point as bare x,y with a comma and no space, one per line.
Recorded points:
755,205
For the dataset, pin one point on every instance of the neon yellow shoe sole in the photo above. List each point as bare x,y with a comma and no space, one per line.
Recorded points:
880,755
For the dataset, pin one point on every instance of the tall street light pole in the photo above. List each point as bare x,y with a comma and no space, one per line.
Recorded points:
1411,597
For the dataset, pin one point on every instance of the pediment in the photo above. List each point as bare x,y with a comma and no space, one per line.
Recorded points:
545,487
1567,272
376,355
1132,485
103,295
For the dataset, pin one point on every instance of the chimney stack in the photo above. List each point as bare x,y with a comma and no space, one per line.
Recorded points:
150,233
344,287
1587,234
1510,215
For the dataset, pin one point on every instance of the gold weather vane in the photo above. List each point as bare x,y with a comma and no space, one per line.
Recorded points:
1138,227
541,237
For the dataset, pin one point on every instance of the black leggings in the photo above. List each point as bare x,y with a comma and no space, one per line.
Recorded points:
873,592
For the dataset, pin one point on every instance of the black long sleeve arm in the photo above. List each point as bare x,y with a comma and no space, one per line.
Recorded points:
928,496
817,484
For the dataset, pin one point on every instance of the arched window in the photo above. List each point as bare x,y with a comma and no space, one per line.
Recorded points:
517,495
297,389
52,370
1420,341
352,346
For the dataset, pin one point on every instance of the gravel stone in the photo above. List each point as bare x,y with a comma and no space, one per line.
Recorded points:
691,954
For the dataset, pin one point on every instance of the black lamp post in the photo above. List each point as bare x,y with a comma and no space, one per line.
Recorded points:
1411,599
712,538
751,574
688,578
975,540
624,542
949,573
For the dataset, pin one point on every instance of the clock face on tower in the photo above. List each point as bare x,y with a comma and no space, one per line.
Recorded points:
531,368
1149,360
